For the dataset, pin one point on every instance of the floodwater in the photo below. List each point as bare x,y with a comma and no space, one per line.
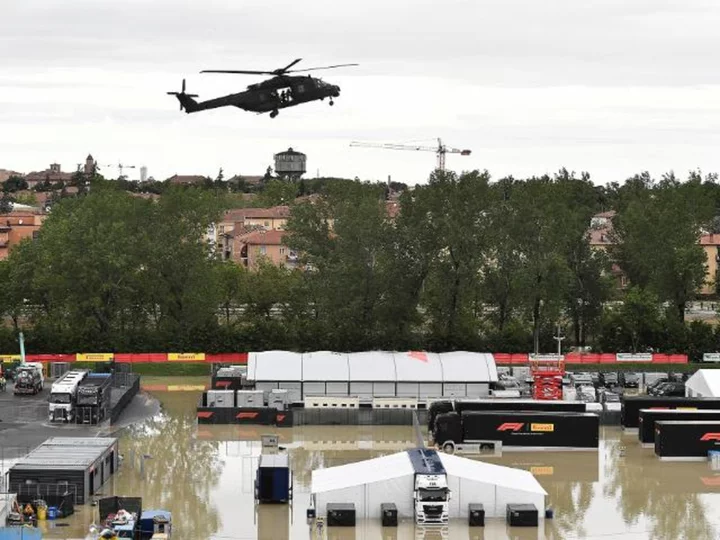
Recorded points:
205,474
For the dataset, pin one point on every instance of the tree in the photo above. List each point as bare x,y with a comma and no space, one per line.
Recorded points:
14,183
278,192
656,239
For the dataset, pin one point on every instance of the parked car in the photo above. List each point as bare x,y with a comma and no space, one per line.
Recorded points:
609,379
669,389
628,379
567,379
586,393
581,378
607,396
507,383
650,388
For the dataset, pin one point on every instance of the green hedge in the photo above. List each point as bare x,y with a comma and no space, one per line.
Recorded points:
180,369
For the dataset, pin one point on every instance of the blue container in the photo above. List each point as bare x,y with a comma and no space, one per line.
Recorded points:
273,479
52,512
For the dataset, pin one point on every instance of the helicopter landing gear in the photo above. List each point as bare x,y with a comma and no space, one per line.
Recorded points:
332,103
274,113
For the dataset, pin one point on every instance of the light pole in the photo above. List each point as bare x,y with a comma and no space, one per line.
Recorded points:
559,339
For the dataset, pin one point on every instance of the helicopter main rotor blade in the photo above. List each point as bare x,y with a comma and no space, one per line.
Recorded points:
291,64
240,72
323,67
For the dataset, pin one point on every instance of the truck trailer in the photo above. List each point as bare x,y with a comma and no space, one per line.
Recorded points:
687,440
648,418
472,431
93,398
631,405
460,405
63,393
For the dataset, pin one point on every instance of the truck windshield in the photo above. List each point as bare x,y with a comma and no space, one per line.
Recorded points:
433,495
60,398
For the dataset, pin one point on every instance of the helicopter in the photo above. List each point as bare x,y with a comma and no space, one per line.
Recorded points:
269,96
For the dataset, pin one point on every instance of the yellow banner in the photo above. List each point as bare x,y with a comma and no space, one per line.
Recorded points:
186,357
94,357
9,358
542,427
542,471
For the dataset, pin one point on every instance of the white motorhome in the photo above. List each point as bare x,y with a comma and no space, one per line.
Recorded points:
63,395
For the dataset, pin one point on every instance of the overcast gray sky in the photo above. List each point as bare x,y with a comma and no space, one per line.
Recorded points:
608,86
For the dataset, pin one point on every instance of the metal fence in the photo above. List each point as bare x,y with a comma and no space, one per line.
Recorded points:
45,491
357,417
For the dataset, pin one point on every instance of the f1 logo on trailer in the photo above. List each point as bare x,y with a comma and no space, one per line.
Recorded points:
510,426
710,437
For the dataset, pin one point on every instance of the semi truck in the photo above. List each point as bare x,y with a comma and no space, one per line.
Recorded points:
63,394
473,431
93,398
29,378
460,405
431,494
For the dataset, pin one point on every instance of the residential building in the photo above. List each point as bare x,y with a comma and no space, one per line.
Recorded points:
274,218
6,174
269,245
711,245
20,223
53,175
179,179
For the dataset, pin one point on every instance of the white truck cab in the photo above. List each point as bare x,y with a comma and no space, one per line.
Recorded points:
63,394
431,499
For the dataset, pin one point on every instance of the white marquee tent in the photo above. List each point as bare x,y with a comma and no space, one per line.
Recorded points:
390,478
704,383
374,374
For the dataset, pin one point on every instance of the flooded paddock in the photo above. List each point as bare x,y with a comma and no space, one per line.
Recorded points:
204,475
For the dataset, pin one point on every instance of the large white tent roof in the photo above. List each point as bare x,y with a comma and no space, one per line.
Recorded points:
704,383
362,472
413,366
489,473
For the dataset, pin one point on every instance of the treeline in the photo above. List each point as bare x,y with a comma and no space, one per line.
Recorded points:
467,264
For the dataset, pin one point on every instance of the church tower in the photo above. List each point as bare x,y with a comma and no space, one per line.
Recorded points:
90,165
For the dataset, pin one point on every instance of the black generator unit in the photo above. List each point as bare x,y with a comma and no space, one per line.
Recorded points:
522,515
476,515
389,514
340,514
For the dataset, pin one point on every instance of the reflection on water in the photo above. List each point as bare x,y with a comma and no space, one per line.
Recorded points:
205,474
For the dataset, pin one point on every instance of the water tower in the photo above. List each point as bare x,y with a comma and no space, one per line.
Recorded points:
290,164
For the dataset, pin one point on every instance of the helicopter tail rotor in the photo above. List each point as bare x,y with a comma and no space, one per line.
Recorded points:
186,101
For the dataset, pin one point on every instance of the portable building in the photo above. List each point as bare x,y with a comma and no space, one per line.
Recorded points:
368,484
80,465
703,383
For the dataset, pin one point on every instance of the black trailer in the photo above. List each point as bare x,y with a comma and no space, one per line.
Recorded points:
93,399
439,407
688,440
648,417
79,465
631,406
526,429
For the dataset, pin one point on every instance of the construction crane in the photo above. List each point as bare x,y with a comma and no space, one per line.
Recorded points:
440,150
120,168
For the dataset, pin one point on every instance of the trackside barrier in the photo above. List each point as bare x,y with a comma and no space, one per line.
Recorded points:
140,358
322,402
507,359
264,416
394,403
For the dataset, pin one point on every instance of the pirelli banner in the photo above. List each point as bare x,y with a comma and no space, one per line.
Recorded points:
186,357
94,357
9,358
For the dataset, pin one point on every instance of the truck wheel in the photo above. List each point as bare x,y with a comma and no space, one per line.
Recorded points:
449,447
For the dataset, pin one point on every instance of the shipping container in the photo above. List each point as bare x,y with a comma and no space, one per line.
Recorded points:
272,480
690,440
648,417
528,429
81,464
221,398
631,405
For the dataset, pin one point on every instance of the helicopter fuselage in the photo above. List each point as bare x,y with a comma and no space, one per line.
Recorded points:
268,96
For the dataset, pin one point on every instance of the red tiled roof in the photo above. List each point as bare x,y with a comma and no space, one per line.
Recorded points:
609,214
710,240
240,229
262,237
240,214
186,179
